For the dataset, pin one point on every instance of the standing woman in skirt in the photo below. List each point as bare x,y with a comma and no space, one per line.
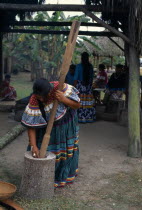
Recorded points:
64,136
83,80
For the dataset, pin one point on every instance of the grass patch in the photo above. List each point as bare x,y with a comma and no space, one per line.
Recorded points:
56,203
7,175
124,189
22,84
123,192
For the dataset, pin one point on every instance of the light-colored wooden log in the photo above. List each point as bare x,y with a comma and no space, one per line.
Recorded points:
12,204
64,69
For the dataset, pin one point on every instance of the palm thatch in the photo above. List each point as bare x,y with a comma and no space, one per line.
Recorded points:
106,47
130,21
135,23
7,16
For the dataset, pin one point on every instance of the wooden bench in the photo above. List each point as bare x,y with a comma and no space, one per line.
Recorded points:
97,94
6,106
115,105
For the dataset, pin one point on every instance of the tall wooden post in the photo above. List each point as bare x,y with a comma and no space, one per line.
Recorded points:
126,52
111,61
9,63
64,69
94,60
134,145
97,62
1,58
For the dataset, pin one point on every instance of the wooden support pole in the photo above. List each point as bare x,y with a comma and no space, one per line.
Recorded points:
116,44
97,63
134,145
113,30
1,58
111,61
126,52
64,69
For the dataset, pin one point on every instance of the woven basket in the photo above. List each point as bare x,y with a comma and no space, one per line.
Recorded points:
6,190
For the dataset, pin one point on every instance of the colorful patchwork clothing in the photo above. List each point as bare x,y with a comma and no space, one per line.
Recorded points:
87,111
64,136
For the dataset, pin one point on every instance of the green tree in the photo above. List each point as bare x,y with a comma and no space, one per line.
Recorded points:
43,53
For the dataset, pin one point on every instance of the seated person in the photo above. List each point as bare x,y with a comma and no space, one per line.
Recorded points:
101,79
116,80
116,84
100,82
7,92
70,75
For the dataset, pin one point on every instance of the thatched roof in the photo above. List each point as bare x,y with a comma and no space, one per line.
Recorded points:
7,16
107,47
129,21
121,14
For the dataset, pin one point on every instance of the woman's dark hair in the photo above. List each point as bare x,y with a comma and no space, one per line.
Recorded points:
102,66
41,87
86,68
7,76
72,66
119,66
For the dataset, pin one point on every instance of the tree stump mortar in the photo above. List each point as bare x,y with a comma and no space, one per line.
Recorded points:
38,177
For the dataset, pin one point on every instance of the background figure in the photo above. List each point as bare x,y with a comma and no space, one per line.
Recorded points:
7,92
70,75
83,79
101,80
116,84
64,136
117,80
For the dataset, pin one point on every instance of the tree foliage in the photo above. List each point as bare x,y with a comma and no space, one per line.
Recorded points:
41,53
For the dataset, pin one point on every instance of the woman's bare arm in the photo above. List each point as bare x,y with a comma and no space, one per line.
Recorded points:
32,140
60,97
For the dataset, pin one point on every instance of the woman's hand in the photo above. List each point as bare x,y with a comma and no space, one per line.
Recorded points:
60,96
35,152
72,104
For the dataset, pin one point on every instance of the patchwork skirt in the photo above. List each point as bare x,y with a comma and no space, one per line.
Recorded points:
64,144
87,111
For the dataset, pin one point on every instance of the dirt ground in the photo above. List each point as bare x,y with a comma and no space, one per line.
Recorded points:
107,178
6,123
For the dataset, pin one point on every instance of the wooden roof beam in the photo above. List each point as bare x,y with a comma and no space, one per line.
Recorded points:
116,43
87,33
48,23
113,30
48,7
54,7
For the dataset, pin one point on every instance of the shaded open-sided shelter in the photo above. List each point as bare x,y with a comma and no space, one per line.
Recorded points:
123,18
107,47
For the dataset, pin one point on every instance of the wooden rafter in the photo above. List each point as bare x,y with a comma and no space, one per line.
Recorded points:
48,7
48,23
53,7
116,44
87,33
113,30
